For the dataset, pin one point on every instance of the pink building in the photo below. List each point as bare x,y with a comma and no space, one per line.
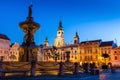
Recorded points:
4,47
115,56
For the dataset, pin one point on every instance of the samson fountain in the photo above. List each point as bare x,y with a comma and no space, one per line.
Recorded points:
28,50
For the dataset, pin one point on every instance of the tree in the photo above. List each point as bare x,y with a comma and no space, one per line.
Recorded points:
105,55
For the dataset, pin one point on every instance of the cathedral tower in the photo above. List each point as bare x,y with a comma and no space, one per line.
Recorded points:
59,40
46,42
76,38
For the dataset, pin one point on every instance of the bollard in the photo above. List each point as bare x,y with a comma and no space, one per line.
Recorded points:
76,68
33,68
61,69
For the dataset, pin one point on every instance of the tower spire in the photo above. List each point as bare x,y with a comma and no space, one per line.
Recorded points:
60,24
76,35
76,38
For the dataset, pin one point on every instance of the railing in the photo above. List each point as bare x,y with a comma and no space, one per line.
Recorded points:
43,67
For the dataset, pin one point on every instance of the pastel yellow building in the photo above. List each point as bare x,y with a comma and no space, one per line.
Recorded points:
89,51
14,52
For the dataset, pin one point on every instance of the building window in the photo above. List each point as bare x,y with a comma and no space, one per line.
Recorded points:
91,57
80,57
63,56
75,41
75,51
90,51
96,51
115,57
85,57
75,57
0,51
84,51
96,56
71,56
80,51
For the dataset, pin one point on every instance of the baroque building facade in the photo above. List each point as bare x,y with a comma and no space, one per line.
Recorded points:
92,51
8,52
60,50
4,47
89,51
115,56
14,52
83,52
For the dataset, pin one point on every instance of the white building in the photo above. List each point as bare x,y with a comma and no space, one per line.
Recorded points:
60,49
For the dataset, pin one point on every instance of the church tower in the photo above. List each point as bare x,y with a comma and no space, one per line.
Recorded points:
46,42
59,40
76,38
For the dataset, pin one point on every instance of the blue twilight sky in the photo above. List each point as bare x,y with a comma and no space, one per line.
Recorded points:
92,19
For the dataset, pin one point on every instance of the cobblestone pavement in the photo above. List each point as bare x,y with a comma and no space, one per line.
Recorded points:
104,75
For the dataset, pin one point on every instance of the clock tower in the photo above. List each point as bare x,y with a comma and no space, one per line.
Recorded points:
59,40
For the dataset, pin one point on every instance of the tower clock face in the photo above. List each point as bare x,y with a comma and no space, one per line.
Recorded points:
60,33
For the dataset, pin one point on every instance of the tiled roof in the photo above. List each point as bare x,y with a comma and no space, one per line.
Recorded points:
106,43
91,41
2,36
